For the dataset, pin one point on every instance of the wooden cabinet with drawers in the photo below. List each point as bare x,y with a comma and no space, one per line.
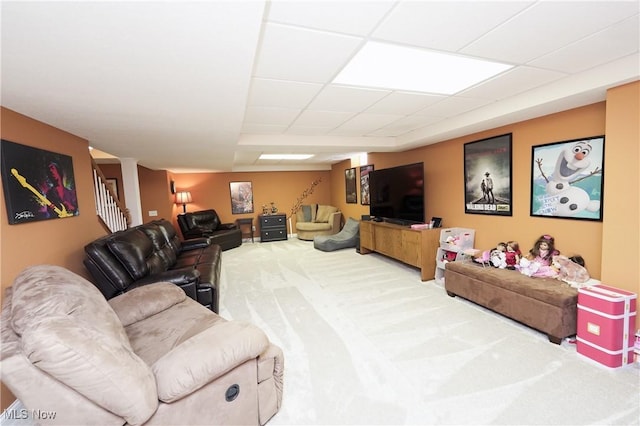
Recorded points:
273,227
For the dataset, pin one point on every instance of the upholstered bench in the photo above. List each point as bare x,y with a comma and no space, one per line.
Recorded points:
546,304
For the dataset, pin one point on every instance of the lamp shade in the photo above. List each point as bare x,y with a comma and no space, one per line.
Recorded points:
183,197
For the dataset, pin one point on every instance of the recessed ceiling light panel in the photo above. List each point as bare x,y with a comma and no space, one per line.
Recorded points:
388,66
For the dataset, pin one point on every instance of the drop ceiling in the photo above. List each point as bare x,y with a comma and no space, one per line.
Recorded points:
211,85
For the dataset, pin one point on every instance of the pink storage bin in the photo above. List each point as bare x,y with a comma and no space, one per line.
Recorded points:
606,316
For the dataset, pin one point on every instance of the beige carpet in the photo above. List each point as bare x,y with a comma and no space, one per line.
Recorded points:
366,342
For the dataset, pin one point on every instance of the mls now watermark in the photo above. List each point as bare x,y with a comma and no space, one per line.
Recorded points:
24,414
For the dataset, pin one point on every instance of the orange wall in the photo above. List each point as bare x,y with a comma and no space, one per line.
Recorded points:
55,241
211,190
444,185
621,233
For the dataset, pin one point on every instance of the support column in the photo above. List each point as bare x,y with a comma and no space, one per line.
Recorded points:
132,189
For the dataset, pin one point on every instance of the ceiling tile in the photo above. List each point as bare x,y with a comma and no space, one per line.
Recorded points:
308,130
358,18
363,124
285,94
290,53
514,81
548,26
403,103
332,119
261,129
404,125
348,99
452,106
612,43
437,24
269,115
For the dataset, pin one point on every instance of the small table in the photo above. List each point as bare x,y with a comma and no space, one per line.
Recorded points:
246,221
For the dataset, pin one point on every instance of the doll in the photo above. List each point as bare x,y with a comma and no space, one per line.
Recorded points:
538,263
498,257
512,254
543,250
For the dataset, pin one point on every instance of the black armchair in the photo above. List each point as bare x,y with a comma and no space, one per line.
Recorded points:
206,223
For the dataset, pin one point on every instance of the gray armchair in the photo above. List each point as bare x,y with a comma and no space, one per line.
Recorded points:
149,356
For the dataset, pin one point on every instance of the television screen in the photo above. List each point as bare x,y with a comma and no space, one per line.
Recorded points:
397,194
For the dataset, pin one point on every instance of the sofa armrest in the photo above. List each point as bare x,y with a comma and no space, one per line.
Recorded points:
227,226
195,243
179,277
205,357
143,302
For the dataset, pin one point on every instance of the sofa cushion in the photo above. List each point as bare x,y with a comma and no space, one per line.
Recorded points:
313,226
132,248
164,250
324,213
70,332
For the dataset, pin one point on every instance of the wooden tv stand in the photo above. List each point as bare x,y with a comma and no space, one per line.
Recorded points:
413,247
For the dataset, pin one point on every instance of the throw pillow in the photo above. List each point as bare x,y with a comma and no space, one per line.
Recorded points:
324,213
306,213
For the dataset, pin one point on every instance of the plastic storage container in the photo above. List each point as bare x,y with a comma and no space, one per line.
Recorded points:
606,316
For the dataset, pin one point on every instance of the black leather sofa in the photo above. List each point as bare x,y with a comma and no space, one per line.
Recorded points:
153,252
206,223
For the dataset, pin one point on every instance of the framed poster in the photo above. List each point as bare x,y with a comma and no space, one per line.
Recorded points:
112,183
364,184
350,182
567,179
241,197
487,176
38,184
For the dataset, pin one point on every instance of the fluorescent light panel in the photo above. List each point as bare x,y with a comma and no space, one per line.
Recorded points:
285,156
388,66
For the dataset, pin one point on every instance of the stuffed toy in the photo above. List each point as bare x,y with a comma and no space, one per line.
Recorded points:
570,271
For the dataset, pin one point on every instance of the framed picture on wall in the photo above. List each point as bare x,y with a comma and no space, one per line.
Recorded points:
241,197
567,179
351,186
112,183
487,176
364,184
38,184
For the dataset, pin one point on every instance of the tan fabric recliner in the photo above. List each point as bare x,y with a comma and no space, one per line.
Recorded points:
149,356
317,219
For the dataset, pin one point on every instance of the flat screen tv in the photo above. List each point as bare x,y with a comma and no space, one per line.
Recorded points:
397,194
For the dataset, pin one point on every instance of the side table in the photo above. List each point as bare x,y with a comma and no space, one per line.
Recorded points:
243,223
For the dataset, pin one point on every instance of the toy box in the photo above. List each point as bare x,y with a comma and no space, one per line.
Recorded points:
606,316
457,239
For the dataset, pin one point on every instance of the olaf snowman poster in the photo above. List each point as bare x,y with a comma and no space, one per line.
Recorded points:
567,179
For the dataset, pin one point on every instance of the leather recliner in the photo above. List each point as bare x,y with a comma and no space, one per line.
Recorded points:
206,223
152,252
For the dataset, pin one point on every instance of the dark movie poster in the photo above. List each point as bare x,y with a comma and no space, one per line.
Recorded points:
487,176
38,184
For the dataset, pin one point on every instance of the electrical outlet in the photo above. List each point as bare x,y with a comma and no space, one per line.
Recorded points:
153,213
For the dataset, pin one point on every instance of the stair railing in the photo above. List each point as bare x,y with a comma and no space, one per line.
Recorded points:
111,212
